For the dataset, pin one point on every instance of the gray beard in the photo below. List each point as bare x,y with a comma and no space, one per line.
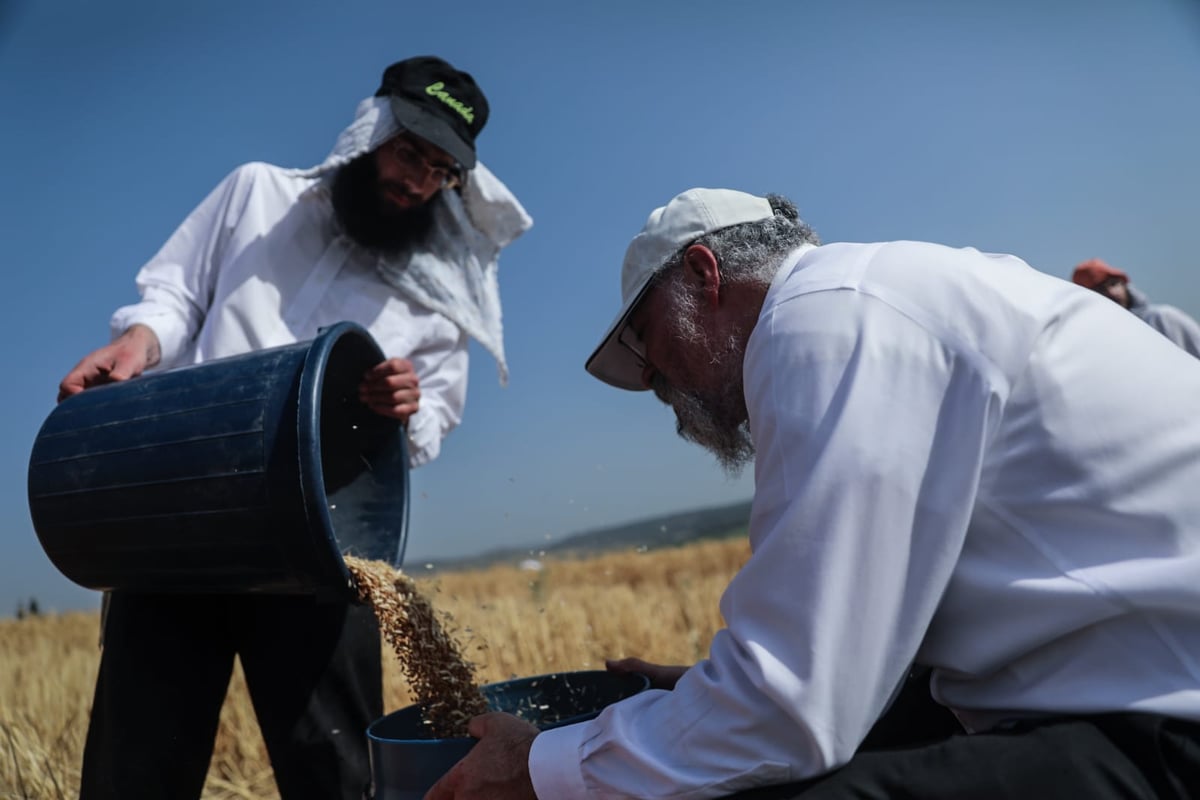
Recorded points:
716,421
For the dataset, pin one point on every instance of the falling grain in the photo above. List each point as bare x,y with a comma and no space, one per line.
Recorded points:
441,679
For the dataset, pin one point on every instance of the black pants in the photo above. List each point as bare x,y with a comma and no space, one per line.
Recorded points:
918,752
314,674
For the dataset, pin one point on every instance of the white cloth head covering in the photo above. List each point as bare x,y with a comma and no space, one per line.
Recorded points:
455,272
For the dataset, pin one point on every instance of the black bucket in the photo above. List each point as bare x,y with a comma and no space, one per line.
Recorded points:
404,765
255,473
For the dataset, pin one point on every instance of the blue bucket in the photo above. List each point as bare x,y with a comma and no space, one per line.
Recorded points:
405,764
255,473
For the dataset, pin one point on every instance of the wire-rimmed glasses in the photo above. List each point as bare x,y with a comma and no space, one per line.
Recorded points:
446,176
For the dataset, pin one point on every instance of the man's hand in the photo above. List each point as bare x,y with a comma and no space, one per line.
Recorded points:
134,351
661,677
391,388
497,768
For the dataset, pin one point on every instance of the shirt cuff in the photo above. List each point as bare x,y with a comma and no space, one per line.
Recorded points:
424,439
168,329
554,763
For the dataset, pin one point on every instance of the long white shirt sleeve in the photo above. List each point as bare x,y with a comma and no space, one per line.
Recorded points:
960,462
260,264
1174,324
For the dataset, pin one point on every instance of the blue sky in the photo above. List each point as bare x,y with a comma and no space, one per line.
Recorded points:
1058,130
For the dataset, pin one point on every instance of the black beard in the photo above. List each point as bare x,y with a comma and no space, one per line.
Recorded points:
367,217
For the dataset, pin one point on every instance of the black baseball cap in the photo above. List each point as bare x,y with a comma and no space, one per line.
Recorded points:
441,104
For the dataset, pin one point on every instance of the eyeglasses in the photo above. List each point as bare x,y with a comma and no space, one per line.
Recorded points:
630,341
446,176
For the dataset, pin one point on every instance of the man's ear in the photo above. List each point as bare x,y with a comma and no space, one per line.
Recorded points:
702,273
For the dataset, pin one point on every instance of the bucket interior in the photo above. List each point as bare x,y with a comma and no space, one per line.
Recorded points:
405,763
356,478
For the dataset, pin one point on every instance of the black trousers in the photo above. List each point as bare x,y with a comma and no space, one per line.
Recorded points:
917,751
314,674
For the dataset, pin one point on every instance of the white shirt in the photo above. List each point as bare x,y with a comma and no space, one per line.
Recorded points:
260,263
961,462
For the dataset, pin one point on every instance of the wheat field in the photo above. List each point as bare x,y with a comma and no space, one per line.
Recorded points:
660,605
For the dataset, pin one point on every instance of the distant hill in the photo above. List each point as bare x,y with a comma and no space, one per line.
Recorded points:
668,530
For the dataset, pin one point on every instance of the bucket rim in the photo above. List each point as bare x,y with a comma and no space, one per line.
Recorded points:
308,436
641,681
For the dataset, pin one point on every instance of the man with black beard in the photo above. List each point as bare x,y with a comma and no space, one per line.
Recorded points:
399,230
360,201
975,533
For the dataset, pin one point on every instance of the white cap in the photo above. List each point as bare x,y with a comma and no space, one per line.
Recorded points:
685,219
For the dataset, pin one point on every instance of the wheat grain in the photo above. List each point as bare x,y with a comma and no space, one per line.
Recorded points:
441,679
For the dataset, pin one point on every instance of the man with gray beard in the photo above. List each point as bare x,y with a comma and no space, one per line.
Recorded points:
975,535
